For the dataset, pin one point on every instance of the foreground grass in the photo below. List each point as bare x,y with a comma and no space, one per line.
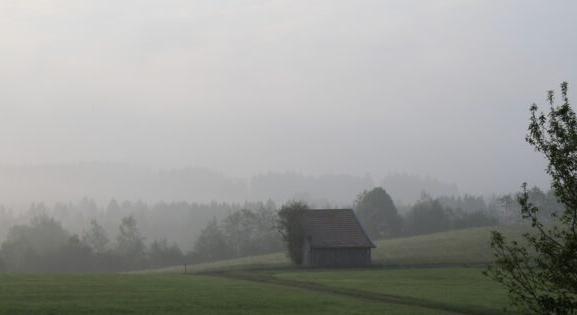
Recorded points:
465,288
173,294
168,291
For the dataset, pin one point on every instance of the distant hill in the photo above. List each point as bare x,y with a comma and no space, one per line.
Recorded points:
104,181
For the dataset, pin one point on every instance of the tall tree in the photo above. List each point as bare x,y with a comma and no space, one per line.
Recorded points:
428,216
291,229
240,229
378,213
211,243
161,253
130,243
96,237
25,245
541,273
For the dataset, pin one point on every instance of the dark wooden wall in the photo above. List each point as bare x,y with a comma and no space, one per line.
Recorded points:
339,257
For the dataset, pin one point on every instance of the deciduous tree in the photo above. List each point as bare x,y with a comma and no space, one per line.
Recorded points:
541,272
291,229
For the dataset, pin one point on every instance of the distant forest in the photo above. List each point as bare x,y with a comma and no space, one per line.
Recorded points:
20,185
85,237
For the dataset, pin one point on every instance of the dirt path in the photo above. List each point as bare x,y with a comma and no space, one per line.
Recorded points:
264,277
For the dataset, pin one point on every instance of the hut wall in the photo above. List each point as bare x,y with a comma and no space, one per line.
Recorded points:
340,257
307,254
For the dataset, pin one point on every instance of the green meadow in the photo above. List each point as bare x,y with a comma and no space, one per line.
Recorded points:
174,294
465,289
417,275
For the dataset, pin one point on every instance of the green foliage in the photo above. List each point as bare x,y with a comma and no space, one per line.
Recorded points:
96,237
211,244
45,246
251,232
547,203
160,253
541,273
291,229
130,245
378,214
25,243
432,215
428,216
242,233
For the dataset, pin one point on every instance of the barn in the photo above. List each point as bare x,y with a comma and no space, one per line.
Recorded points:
335,238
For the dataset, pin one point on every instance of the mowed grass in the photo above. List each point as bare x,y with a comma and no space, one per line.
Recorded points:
173,294
169,291
466,288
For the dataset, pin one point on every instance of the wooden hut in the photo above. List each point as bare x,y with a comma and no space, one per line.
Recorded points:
335,238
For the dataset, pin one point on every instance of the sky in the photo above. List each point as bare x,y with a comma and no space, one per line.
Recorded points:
435,88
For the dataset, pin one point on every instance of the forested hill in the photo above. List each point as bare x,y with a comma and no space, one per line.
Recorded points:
102,182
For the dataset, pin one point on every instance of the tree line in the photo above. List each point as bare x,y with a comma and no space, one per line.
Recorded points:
381,218
135,235
177,221
43,245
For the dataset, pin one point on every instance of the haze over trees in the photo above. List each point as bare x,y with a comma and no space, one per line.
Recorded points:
43,245
134,235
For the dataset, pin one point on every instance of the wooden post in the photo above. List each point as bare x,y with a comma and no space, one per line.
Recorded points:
185,268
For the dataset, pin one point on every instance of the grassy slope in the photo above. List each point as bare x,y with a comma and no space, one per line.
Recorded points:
463,287
469,246
269,260
172,294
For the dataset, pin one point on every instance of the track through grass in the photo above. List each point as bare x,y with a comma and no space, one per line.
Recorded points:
174,294
311,283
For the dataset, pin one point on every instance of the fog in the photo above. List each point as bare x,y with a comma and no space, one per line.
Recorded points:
365,89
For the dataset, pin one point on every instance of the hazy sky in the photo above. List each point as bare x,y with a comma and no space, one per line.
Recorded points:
439,88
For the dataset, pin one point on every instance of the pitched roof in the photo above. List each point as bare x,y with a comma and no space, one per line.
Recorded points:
330,228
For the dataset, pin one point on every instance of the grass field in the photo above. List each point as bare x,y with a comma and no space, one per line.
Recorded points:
464,288
468,246
268,285
173,294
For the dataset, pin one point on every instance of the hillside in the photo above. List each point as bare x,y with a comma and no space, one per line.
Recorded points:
468,246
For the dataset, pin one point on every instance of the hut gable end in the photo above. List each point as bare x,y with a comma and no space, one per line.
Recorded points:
334,237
